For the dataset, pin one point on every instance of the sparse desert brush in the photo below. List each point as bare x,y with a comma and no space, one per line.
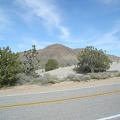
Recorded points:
82,78
24,79
98,76
70,77
117,74
104,75
47,79
85,77
113,73
78,78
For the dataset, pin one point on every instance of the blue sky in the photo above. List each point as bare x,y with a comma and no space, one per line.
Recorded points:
74,23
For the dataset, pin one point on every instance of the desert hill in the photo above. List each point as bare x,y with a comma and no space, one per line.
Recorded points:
57,51
63,54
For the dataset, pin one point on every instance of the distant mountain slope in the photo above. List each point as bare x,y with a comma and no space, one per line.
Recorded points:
114,58
63,54
57,51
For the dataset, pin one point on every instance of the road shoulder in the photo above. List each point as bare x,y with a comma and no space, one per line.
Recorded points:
58,86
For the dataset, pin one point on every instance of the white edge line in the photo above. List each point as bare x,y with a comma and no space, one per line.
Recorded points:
58,90
111,117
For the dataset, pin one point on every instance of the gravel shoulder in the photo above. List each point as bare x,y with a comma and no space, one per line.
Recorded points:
58,86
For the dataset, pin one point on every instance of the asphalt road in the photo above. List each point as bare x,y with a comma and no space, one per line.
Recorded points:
90,103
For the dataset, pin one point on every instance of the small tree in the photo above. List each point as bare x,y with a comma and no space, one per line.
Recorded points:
9,67
31,63
51,65
93,60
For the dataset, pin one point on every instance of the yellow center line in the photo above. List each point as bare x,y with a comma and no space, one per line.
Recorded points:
60,100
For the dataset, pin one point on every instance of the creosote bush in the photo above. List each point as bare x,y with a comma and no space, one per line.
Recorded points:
46,79
51,65
89,76
78,78
104,75
93,60
10,66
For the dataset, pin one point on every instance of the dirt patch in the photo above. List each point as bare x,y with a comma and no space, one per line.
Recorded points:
58,86
65,71
60,72
115,66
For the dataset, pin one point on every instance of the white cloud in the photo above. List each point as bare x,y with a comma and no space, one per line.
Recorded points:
37,44
45,11
28,45
4,20
108,41
65,32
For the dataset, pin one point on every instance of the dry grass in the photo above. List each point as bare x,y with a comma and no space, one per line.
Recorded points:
104,75
47,79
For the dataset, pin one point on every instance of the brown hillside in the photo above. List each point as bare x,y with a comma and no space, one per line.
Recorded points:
57,51
63,54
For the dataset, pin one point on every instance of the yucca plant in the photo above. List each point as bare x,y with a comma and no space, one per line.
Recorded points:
31,63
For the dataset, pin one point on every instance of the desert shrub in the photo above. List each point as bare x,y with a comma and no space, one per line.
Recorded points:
51,65
9,67
85,77
68,64
47,79
30,63
98,76
110,75
26,79
104,75
93,60
113,74
82,78
118,74
76,69
76,78
70,77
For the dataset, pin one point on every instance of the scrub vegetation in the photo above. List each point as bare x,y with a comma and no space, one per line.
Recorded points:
93,64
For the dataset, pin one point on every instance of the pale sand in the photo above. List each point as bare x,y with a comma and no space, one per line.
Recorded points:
58,86
65,71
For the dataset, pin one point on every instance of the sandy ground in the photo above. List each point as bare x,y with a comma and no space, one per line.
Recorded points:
115,66
65,71
57,86
61,72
